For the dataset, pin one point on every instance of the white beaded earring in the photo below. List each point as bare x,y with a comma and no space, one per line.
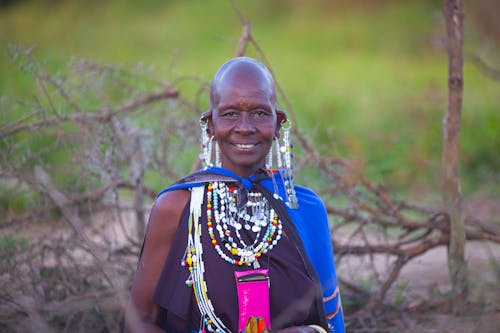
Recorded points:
279,160
287,170
218,162
206,144
269,160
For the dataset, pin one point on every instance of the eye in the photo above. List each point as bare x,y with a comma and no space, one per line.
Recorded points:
261,113
228,114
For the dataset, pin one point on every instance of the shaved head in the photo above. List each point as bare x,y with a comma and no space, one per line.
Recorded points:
243,118
239,71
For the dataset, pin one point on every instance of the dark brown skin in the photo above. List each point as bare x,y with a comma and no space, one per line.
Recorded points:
243,116
244,120
141,312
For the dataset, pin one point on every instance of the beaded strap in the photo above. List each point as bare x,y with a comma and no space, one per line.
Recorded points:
196,266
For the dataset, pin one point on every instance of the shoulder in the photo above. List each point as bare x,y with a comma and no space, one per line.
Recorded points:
167,211
170,203
308,197
306,191
159,238
311,208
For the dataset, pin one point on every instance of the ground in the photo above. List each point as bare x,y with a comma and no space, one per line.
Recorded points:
427,279
419,301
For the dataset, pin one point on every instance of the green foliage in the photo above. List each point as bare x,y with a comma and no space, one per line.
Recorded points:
365,77
400,289
10,246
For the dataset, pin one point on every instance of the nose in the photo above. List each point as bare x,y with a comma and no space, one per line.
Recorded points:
245,124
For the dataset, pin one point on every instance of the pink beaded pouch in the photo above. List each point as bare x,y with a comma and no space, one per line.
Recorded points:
253,296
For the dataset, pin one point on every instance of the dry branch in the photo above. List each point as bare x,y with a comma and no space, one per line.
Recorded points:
106,194
451,192
80,117
430,231
486,69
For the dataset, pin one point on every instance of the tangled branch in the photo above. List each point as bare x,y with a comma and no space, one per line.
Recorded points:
77,176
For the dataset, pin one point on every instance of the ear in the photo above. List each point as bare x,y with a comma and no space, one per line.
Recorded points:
280,119
207,116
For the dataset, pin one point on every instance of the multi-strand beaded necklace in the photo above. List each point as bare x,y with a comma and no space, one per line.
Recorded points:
256,217
226,218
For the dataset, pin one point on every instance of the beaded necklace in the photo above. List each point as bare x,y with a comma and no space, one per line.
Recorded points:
256,216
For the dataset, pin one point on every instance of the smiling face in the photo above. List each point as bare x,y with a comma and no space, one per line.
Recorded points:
243,115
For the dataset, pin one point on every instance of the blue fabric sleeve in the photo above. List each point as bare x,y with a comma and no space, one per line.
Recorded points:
311,220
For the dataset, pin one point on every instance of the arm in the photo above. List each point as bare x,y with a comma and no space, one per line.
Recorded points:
141,314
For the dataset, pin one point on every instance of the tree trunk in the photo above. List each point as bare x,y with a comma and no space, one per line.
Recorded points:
451,192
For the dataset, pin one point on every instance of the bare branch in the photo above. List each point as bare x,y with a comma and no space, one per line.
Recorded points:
486,69
100,115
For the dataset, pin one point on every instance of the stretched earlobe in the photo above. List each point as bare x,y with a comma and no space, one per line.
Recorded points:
206,118
281,115
281,119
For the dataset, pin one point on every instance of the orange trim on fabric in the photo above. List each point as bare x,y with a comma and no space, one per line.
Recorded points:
334,313
332,296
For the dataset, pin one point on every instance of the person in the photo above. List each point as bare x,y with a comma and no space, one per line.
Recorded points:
236,246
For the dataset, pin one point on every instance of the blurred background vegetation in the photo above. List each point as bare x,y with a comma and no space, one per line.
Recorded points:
367,79
367,82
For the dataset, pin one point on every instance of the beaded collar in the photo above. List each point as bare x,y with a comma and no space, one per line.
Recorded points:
256,216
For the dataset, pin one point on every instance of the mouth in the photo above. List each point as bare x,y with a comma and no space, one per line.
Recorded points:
244,145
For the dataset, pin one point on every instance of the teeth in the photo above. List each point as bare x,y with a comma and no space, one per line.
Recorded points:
244,146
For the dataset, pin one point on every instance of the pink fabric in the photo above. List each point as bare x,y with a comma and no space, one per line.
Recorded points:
253,296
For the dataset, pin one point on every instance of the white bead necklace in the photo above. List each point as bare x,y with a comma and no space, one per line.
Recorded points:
194,261
256,216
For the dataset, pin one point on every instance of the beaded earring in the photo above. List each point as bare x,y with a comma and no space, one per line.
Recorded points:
218,162
269,160
280,158
206,144
287,169
274,153
207,147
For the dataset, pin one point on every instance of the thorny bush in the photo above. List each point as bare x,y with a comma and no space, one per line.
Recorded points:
81,162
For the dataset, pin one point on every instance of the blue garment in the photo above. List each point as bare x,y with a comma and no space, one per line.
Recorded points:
311,222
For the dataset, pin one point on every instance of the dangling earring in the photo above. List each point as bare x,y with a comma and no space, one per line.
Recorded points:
287,171
206,145
279,161
269,160
218,162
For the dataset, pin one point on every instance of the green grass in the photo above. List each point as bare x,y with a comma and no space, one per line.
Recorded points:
364,79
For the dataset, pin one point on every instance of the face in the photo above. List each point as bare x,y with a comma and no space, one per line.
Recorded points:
244,121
